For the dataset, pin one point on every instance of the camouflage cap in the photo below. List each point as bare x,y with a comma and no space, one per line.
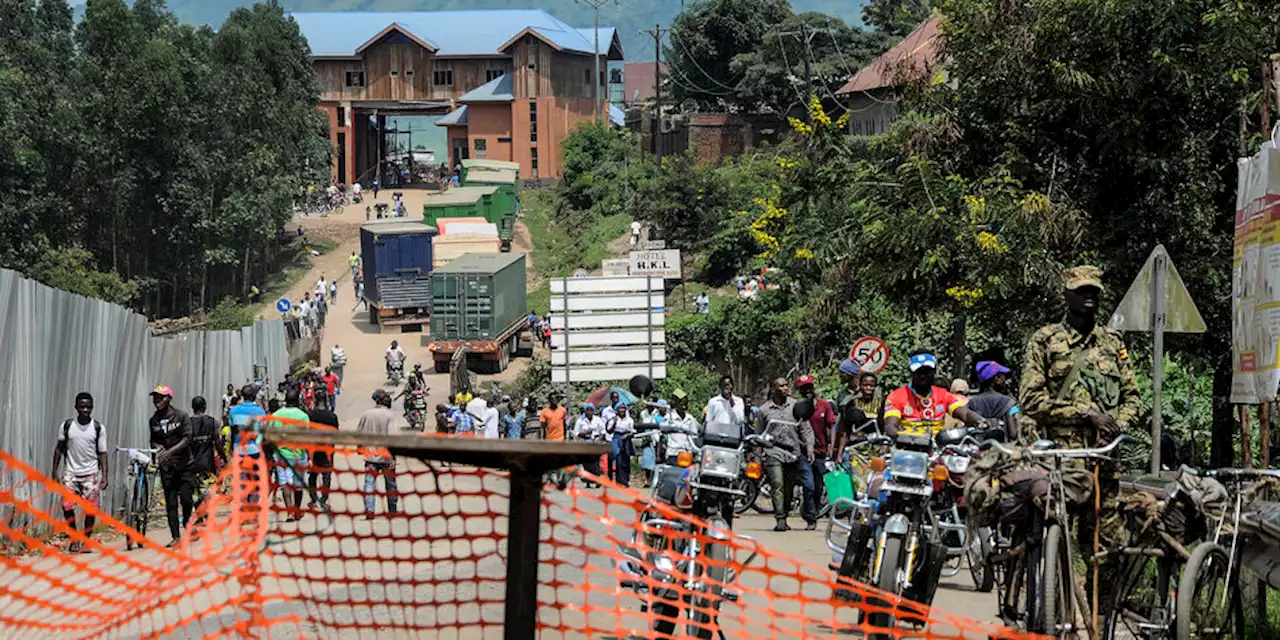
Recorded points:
1082,276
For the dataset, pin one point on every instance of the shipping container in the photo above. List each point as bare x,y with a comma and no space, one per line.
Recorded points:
459,202
506,184
479,302
459,226
487,165
446,249
398,260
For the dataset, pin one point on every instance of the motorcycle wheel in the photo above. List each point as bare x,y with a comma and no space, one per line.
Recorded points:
763,503
705,611
886,580
741,504
337,210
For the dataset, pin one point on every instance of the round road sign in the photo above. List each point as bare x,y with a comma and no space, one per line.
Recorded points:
872,352
283,305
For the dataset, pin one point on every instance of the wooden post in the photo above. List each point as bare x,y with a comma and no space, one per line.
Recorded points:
1264,435
1246,441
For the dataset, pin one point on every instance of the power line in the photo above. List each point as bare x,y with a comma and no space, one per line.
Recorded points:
672,36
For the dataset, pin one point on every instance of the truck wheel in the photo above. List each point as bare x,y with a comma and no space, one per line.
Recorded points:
442,366
504,357
373,318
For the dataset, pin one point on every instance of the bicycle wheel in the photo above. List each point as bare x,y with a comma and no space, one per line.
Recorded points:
1141,608
1206,593
1057,601
139,506
978,551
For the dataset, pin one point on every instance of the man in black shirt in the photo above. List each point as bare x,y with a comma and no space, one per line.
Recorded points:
171,434
321,467
994,404
206,450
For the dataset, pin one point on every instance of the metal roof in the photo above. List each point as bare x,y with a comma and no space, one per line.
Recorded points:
907,59
617,116
398,225
451,33
459,195
481,263
486,163
457,117
496,90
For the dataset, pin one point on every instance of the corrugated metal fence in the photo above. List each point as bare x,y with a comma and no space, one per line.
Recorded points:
55,344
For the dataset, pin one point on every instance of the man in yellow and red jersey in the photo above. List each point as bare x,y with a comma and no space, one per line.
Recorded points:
921,407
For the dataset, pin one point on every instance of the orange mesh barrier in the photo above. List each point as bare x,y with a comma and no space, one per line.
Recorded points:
435,568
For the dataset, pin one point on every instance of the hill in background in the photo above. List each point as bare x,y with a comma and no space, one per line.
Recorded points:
629,16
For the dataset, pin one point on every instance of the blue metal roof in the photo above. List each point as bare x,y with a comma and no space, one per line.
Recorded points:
456,117
495,90
452,33
617,116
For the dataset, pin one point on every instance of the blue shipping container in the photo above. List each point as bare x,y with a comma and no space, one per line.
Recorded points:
397,263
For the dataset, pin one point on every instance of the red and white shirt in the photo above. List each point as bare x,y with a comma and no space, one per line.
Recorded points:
917,413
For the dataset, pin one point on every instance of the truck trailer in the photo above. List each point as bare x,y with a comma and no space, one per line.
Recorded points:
397,273
479,303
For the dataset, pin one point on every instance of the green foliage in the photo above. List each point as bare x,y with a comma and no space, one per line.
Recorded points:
896,17
228,314
72,268
601,170
171,154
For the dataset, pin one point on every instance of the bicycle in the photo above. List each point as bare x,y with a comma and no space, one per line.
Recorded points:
1209,603
142,481
1038,589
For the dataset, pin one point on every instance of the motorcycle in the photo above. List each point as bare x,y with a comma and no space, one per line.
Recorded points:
956,448
395,373
690,578
416,409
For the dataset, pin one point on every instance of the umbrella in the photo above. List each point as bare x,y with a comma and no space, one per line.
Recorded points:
600,396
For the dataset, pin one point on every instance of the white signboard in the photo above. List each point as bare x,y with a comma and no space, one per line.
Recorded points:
617,267
664,263
607,328
653,245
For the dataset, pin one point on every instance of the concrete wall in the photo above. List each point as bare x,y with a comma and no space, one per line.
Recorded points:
490,122
716,136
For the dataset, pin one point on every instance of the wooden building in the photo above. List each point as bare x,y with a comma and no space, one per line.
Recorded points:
513,83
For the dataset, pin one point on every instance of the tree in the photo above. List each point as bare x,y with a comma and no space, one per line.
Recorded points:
896,17
1153,157
704,40
805,54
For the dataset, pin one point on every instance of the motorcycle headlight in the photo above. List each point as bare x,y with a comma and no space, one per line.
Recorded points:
910,465
722,462
956,464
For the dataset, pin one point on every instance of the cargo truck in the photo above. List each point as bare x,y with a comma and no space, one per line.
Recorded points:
397,273
479,303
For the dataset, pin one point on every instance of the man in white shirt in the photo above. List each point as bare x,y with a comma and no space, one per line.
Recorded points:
337,361
395,355
679,415
82,442
635,234
590,426
622,449
485,416
726,407
322,288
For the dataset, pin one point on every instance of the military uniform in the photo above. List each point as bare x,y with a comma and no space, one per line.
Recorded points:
1066,375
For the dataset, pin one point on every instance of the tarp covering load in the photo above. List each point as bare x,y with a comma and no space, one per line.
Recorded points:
428,562
1255,280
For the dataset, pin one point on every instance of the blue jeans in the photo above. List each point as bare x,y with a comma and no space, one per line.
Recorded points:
388,472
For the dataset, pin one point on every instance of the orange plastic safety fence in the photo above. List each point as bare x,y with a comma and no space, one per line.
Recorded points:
423,557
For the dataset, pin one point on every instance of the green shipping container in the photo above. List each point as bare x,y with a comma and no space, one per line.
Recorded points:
478,296
504,180
460,202
490,165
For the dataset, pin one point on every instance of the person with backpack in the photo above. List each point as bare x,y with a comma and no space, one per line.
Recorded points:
82,442
171,434
206,450
994,404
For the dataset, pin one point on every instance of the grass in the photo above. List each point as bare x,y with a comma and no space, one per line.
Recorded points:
559,250
293,262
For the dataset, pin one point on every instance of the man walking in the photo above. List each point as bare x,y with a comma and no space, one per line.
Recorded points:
331,387
206,450
1089,403
553,418
321,465
823,423
171,434
354,263
379,420
789,459
337,361
291,461
726,407
82,442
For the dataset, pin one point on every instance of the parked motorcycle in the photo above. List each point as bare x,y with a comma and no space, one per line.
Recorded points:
691,578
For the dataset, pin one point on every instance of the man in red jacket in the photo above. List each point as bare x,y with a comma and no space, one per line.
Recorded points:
823,422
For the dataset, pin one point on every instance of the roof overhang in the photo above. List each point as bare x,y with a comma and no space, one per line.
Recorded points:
337,58
399,29
526,32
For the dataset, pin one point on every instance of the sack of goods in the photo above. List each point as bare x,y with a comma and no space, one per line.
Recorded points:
1004,488
1183,507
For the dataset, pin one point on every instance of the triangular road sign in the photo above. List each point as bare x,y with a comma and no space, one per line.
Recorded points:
1135,310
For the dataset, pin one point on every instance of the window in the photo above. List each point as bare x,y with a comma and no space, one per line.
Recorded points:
615,76
602,77
482,146
533,121
493,74
408,72
395,74
342,116
586,76
355,79
504,140
533,161
442,78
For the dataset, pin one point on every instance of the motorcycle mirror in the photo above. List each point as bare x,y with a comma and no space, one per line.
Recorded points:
803,409
641,386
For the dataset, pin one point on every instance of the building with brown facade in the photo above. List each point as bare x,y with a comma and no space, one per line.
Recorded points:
512,83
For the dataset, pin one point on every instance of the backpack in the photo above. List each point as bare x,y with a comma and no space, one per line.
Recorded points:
97,433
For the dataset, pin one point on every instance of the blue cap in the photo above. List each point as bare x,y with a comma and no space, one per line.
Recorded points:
664,404
921,360
588,406
620,405
850,367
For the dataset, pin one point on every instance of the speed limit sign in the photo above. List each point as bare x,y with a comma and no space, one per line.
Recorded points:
872,352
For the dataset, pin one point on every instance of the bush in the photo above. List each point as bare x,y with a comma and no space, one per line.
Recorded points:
229,315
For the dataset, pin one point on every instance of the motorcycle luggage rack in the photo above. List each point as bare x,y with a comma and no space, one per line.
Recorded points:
526,460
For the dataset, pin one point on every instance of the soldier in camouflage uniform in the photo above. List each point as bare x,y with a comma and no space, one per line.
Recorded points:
1079,389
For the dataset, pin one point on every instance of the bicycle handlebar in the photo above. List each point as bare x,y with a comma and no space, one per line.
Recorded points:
1098,452
1233,472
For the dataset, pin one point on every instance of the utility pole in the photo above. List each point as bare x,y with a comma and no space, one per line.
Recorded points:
656,34
805,35
595,80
